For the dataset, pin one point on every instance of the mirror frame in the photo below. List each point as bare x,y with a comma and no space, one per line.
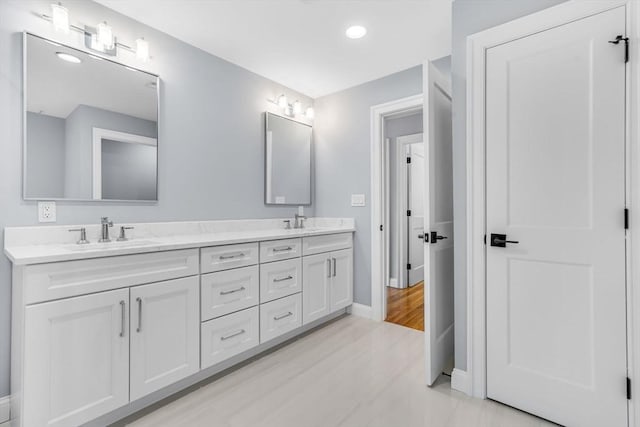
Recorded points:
311,167
25,36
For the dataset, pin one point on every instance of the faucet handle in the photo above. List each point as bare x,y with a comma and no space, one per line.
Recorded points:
83,235
123,236
288,224
105,221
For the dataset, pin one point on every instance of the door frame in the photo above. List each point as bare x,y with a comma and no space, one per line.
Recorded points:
379,216
473,381
400,226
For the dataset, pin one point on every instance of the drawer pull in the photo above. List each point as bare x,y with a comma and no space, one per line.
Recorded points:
233,291
235,334
232,256
287,249
283,316
282,279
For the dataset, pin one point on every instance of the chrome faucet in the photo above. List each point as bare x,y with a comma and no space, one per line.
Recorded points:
299,221
105,230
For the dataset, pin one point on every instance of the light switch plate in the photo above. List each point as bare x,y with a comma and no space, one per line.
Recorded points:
47,211
357,200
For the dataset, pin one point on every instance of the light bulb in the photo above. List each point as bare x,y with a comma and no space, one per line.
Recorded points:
105,35
297,107
356,32
68,57
310,113
60,17
282,101
142,50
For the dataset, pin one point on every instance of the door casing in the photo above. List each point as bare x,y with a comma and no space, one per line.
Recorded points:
473,380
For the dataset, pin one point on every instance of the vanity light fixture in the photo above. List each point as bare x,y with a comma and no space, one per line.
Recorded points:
291,110
356,32
99,39
60,18
297,107
282,101
68,57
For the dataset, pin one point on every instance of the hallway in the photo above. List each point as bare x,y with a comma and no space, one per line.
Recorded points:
405,307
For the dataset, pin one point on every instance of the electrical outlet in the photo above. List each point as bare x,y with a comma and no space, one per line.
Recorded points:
47,211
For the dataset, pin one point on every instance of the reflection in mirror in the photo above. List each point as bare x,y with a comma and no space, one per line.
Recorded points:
288,161
91,126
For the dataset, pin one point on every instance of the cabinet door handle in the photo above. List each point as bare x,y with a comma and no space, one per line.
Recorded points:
123,306
282,279
139,301
287,249
283,316
232,291
235,334
334,267
232,256
329,264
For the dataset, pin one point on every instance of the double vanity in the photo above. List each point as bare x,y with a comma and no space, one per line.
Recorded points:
101,330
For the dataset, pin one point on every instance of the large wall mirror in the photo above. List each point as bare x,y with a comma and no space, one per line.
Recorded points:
288,161
91,126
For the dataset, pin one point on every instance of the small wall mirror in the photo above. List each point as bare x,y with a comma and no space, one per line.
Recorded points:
91,126
287,161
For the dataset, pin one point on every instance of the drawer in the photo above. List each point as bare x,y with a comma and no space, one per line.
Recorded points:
280,279
43,282
219,258
280,316
228,336
277,250
326,243
227,291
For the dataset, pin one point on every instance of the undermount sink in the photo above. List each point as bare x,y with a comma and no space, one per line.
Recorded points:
109,245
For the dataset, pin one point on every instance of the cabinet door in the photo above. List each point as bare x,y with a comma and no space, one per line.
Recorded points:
316,280
165,330
342,279
76,365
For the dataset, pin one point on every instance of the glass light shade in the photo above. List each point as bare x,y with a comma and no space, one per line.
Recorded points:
142,50
105,35
310,113
282,101
356,32
60,18
297,107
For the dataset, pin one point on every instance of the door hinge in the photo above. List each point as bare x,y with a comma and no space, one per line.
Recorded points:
626,218
409,212
617,40
408,266
628,388
408,160
381,227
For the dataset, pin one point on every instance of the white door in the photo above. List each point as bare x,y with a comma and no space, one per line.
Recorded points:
438,222
555,184
342,279
317,271
165,334
415,221
77,364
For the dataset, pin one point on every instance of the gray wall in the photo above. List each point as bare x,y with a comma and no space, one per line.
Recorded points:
79,144
394,128
342,152
129,171
211,125
469,17
45,150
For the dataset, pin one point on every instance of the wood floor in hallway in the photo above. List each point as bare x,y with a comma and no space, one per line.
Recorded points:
405,307
354,372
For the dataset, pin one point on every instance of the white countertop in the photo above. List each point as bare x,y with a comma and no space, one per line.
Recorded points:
28,251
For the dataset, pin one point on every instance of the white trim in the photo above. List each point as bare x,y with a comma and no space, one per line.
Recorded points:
361,310
400,225
477,44
460,381
378,267
5,409
98,135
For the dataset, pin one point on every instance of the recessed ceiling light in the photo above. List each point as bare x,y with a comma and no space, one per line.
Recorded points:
356,32
68,57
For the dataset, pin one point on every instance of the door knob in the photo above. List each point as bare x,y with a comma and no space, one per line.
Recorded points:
435,237
500,240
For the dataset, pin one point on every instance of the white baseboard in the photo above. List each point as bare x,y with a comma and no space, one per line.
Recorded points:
361,310
5,412
393,282
461,381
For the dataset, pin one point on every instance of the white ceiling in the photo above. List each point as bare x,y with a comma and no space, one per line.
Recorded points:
301,43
